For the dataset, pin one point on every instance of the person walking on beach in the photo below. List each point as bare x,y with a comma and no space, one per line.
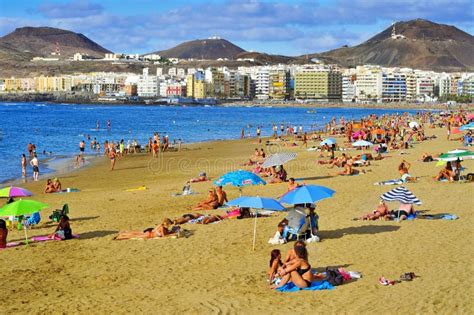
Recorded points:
23,166
35,164
112,157
448,126
82,147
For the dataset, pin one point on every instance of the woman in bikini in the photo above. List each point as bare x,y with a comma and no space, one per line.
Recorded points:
161,230
380,212
298,270
210,203
112,156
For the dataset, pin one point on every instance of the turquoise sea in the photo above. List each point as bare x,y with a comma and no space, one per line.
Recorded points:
58,128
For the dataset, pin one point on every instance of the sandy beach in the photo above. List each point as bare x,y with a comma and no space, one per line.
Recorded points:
215,271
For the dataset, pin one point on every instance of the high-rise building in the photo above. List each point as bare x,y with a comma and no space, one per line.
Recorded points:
368,84
279,84
262,84
318,84
348,87
148,85
393,87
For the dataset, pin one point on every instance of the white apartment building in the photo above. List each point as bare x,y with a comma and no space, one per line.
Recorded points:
424,86
368,84
348,87
148,85
394,87
172,72
262,84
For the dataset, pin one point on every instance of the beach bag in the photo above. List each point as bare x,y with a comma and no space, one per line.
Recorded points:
334,277
470,177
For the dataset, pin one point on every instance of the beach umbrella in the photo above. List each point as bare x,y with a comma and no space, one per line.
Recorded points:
457,151
469,126
461,154
256,203
307,194
278,159
362,143
401,194
22,207
413,124
13,192
328,141
239,179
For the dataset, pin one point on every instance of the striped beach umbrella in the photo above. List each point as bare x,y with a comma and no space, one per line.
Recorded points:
402,195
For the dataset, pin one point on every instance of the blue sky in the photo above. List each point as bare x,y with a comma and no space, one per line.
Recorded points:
279,27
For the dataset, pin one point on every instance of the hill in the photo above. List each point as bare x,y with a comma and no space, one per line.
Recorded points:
417,44
28,42
213,48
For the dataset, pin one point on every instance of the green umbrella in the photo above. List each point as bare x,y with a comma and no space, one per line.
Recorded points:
22,207
455,156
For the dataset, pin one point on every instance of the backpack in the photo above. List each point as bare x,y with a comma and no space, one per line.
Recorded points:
334,277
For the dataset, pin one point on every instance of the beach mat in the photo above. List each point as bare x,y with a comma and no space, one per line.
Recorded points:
315,286
137,189
44,238
442,216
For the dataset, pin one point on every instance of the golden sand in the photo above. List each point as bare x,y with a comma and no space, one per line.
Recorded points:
215,271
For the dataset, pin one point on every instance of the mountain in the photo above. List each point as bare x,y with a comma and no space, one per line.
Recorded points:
419,44
212,48
28,42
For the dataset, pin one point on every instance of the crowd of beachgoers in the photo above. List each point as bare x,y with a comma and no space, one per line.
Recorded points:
346,148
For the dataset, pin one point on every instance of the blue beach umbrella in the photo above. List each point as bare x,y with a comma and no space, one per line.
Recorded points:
239,179
469,126
256,203
328,141
307,194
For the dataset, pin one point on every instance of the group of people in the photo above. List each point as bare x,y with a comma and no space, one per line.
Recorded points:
216,198
52,186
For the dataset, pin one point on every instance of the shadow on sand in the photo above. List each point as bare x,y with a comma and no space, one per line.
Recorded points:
96,234
364,229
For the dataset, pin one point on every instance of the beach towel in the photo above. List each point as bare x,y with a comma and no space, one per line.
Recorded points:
390,182
69,190
315,286
13,244
137,189
443,216
44,238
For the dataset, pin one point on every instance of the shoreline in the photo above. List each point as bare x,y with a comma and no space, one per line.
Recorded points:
88,100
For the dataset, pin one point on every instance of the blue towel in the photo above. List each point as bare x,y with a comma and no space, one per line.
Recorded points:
315,286
411,216
448,217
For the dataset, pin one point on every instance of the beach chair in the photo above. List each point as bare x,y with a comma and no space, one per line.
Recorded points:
297,224
59,212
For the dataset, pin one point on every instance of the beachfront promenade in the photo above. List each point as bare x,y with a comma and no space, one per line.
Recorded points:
214,270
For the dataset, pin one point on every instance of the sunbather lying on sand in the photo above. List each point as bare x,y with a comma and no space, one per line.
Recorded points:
403,211
207,219
185,218
201,178
161,230
381,212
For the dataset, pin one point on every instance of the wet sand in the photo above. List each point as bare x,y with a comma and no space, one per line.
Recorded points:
215,271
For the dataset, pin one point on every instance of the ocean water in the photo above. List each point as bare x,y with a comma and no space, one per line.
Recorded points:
58,128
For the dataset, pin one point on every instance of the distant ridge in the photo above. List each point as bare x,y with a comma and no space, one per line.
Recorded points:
42,41
213,48
426,45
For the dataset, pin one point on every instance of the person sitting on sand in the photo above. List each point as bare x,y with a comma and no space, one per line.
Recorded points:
63,230
3,233
211,202
221,196
49,188
446,173
292,184
201,178
57,185
161,230
297,270
291,253
381,212
403,169
275,263
348,169
427,158
278,176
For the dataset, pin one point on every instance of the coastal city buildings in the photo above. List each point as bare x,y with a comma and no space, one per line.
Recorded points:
309,82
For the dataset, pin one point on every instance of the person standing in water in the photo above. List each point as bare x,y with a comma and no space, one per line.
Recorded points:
23,166
108,125
98,125
82,147
35,164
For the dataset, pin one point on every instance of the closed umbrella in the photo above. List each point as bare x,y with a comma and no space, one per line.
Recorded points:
13,192
22,207
278,159
239,179
256,203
